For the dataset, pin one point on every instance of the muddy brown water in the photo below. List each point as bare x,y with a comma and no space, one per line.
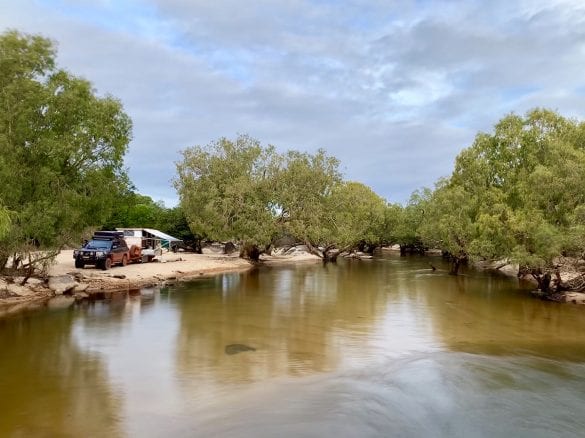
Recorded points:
376,348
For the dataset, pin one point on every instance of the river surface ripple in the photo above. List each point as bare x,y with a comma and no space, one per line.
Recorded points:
376,348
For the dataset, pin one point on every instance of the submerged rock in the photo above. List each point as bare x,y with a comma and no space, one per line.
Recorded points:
237,348
60,302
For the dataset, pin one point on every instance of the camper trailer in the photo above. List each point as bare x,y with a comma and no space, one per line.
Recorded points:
153,242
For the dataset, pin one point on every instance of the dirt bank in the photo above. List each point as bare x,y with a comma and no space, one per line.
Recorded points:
567,273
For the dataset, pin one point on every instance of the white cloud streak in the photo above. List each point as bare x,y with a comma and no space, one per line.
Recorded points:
393,88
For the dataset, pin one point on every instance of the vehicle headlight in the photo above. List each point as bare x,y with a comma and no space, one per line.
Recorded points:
75,253
100,253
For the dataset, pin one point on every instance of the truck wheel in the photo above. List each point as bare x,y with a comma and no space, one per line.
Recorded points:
124,260
106,264
79,264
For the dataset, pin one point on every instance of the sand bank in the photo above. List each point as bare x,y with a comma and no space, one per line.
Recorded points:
65,279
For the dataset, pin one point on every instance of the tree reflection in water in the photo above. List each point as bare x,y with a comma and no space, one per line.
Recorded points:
49,386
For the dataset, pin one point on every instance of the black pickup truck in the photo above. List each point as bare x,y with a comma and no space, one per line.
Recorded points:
105,249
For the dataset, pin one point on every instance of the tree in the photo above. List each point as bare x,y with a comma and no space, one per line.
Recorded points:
62,152
133,210
174,222
239,190
303,185
403,223
514,194
357,216
448,223
227,193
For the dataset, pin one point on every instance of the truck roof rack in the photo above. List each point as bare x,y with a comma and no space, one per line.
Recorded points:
108,235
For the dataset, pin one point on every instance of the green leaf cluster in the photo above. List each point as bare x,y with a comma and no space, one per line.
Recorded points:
226,191
239,190
133,210
5,222
62,148
357,214
515,194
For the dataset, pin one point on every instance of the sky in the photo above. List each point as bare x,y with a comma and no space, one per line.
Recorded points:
393,89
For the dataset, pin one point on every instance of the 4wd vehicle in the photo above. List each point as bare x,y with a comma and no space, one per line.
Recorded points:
105,249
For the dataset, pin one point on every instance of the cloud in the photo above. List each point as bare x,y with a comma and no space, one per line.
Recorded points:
395,89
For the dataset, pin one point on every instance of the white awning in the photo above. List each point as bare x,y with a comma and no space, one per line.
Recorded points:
161,235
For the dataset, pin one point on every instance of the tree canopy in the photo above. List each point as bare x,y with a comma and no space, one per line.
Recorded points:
62,146
226,191
4,221
515,194
357,215
240,190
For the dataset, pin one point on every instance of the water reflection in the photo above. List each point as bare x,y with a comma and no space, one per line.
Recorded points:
486,314
373,348
48,385
282,318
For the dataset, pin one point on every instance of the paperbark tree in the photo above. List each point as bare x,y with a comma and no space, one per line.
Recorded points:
226,191
62,151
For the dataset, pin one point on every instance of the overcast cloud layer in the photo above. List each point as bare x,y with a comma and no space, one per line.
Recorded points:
394,89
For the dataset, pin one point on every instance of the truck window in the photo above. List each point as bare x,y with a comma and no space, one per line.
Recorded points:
98,244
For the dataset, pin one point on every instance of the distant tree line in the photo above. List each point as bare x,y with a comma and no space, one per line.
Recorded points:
242,191
516,194
133,210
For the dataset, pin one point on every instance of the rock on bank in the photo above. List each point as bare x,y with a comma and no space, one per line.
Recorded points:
64,278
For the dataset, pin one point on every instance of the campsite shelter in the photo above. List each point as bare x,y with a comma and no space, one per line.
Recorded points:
149,238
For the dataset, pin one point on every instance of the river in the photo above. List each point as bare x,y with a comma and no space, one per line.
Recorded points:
375,348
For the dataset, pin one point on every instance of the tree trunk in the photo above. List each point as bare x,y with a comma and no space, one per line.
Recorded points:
457,261
370,249
330,255
229,248
313,250
268,250
455,264
366,247
414,248
543,281
3,262
251,252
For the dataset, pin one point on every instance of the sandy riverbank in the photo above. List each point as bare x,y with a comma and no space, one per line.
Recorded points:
64,278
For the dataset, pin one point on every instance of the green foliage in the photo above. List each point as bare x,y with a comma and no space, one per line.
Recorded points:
448,220
174,222
303,184
403,224
227,191
516,193
5,222
132,210
62,148
239,190
537,241
357,214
